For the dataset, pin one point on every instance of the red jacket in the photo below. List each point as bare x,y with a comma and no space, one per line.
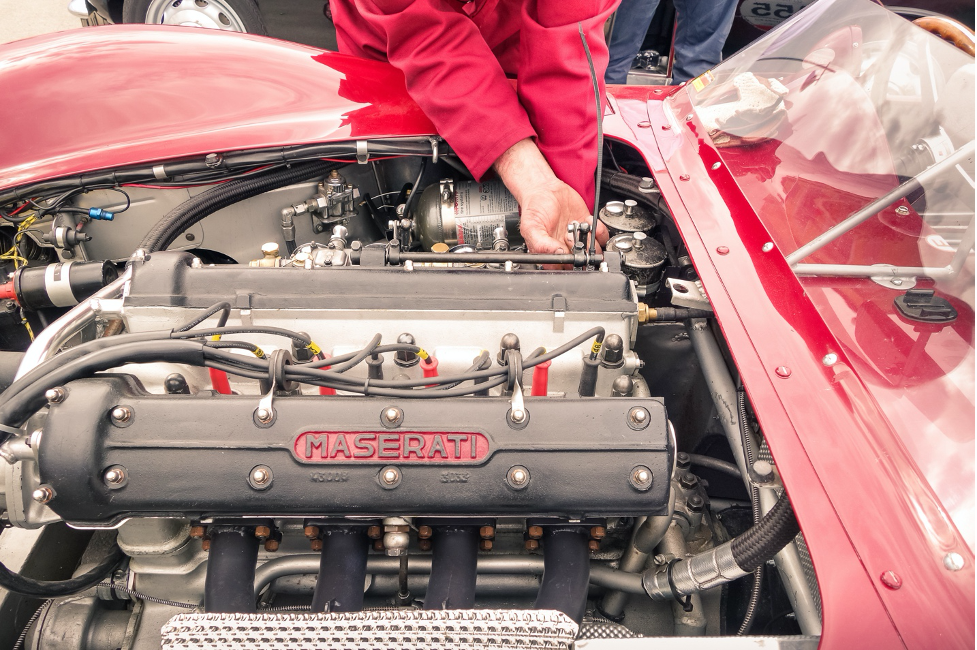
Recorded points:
455,57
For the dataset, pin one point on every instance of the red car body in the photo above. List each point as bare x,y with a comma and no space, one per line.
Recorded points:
86,100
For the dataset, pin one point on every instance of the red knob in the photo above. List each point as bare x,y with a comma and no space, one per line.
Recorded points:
541,379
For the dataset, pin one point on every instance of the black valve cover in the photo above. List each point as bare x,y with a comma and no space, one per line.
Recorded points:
192,455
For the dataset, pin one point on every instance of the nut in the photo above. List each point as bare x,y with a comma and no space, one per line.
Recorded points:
121,414
485,545
115,476
264,415
197,532
535,532
695,503
262,532
486,532
689,481
55,395
271,545
424,532
377,545
683,460
374,532
598,532
43,494
641,478
593,545
424,544
532,544
517,477
316,544
260,477
389,477
311,532
205,545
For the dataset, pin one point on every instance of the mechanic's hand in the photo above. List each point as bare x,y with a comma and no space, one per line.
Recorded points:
548,204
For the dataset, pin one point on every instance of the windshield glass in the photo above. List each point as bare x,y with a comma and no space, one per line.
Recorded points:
851,132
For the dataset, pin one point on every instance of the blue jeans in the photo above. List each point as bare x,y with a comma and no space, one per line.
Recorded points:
699,36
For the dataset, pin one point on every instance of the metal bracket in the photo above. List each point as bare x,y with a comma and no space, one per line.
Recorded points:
435,142
362,152
889,281
688,293
559,313
264,415
518,416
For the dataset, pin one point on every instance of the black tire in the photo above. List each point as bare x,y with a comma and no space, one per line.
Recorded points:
134,11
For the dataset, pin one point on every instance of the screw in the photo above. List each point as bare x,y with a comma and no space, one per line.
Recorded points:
121,414
486,532
535,532
311,532
43,494
517,477
55,395
641,478
205,545
316,544
723,250
390,476
262,532
271,545
260,477
392,415
424,532
213,160
767,247
264,415
644,125
638,417
902,210
115,476
666,127
683,460
716,165
598,532
891,579
695,503
783,372
374,532
829,359
424,544
688,118
532,544
896,281
190,236
646,183
953,561
518,415
684,177
764,470
197,532
593,545
485,545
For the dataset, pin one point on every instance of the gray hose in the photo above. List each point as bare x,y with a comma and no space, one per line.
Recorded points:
221,196
716,464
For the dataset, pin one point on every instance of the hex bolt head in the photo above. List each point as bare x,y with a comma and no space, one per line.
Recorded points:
535,532
197,532
374,532
689,481
43,494
316,545
262,532
953,561
517,477
271,545
683,460
485,545
55,395
639,418
389,477
598,532
518,415
392,416
486,532
115,476
695,503
311,532
532,544
260,477
424,544
264,415
641,478
424,532
121,414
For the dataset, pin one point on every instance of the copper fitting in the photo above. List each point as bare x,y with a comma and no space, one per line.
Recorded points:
205,545
311,532
316,544
197,532
593,545
378,545
598,532
486,532
424,544
532,544
262,532
485,545
374,532
271,545
396,529
535,532
424,532
646,313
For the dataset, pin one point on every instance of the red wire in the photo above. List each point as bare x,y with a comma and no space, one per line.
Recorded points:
24,205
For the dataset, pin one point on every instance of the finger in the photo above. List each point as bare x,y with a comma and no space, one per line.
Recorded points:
602,234
538,241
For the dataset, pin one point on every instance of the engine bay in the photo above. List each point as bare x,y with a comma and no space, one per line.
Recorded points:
334,390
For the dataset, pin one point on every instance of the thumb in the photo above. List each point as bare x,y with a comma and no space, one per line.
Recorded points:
538,241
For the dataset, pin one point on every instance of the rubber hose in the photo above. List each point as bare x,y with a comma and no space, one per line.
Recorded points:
342,569
627,185
230,570
755,504
453,569
761,542
566,571
221,196
9,363
719,466
24,586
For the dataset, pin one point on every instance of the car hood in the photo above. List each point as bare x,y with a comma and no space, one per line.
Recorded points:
90,99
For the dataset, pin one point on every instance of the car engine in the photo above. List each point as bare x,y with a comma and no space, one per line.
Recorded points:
334,402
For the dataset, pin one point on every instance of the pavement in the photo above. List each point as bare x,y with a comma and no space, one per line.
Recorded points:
291,20
23,18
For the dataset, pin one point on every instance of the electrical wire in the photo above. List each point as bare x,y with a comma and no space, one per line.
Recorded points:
141,596
600,140
19,644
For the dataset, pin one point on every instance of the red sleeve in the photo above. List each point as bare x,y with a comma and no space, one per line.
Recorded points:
451,73
555,86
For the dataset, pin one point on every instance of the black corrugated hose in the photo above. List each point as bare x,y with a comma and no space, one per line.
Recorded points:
627,185
761,542
755,503
221,196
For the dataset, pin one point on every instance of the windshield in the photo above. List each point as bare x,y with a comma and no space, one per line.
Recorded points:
851,132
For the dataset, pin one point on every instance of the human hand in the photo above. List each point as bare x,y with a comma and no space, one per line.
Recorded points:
548,205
